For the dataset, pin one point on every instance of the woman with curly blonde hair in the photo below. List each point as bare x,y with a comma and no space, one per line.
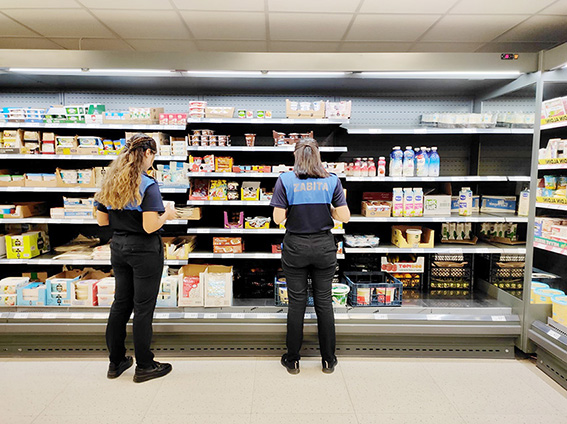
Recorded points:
130,203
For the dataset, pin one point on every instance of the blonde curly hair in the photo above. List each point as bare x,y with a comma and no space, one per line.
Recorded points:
121,184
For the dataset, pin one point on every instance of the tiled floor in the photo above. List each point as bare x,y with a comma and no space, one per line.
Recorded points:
259,390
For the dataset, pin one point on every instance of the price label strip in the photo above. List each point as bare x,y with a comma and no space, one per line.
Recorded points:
191,315
21,315
162,315
498,318
380,316
554,334
263,316
49,316
210,316
237,316
77,316
434,317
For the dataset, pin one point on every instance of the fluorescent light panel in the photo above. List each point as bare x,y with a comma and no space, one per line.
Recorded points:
45,70
307,74
441,74
132,71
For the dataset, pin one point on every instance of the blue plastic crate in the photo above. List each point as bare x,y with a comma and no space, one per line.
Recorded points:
383,289
280,293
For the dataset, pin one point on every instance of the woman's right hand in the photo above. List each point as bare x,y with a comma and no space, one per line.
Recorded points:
170,213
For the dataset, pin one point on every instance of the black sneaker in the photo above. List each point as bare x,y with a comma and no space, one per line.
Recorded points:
291,366
115,371
329,367
156,371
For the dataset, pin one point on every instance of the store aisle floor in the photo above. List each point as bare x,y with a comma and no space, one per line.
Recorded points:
259,390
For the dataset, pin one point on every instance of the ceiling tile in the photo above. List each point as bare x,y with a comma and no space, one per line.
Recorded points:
511,47
144,24
539,28
471,28
375,47
225,5
226,25
39,4
491,7
60,22
390,27
92,44
336,6
9,27
27,43
446,47
308,27
303,46
232,46
558,8
415,6
163,45
128,4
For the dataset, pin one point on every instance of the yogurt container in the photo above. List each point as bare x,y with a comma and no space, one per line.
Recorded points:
543,296
560,309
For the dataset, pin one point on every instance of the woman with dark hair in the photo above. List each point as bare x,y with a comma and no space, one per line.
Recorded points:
310,198
130,202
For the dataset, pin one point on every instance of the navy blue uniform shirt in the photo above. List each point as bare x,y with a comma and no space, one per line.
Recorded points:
130,220
308,201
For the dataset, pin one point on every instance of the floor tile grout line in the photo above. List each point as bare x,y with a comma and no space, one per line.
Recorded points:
85,365
253,389
349,395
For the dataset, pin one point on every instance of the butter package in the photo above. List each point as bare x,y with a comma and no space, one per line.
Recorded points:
504,204
32,294
60,287
455,203
10,285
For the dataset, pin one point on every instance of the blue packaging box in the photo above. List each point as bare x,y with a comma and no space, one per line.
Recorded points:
32,294
506,204
59,287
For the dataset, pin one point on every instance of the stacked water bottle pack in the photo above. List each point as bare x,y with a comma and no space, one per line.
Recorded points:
419,162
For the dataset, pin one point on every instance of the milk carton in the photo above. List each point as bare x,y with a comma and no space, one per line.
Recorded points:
408,202
465,201
418,201
398,202
524,203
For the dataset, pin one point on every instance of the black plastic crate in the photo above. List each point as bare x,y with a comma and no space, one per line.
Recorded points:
373,288
504,271
457,275
410,280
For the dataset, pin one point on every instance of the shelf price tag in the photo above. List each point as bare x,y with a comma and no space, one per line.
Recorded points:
77,316
210,316
162,315
99,315
263,316
420,131
237,316
554,334
49,316
434,317
191,315
380,316
341,316
308,316
21,315
498,318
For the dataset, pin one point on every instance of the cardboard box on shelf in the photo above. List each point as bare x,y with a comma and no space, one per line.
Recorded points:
399,236
418,266
88,175
376,203
219,112
36,276
179,247
437,204
60,287
32,294
27,245
145,115
228,245
167,296
293,110
503,204
338,110
190,213
9,285
218,286
84,291
27,209
40,180
2,246
116,118
9,180
191,282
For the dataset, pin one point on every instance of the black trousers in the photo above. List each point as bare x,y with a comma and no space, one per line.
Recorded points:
137,261
315,255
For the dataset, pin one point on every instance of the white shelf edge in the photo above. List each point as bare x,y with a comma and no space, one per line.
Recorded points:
229,202
549,248
51,189
267,121
454,248
552,166
244,231
80,157
435,179
558,207
426,130
453,218
260,149
124,126
553,126
239,175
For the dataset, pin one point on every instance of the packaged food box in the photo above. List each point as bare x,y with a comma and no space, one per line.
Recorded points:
27,245
26,210
191,282
250,190
227,245
218,286
106,286
504,204
105,299
8,299
438,204
179,247
167,296
9,285
392,265
60,287
399,236
32,294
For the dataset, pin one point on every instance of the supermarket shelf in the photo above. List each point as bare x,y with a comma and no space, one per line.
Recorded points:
553,126
244,231
260,149
366,130
555,206
48,259
270,121
483,217
520,178
552,166
51,189
229,202
82,157
237,175
549,248
94,126
245,255
487,178
48,220
173,190
447,249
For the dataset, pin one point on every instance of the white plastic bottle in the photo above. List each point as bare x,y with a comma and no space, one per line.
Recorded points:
371,168
408,202
357,167
418,201
524,203
398,202
396,162
409,162
381,167
421,163
465,201
364,167
434,163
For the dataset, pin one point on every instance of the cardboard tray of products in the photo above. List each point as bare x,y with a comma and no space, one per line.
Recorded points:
27,209
474,240
61,183
191,282
399,236
39,183
305,114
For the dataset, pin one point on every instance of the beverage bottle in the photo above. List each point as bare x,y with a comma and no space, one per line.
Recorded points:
418,201
381,167
416,151
396,162
421,163
371,168
398,202
409,162
524,203
350,171
357,167
434,163
364,167
408,202
465,201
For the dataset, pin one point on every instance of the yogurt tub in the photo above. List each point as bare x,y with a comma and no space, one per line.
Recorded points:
105,299
543,296
340,293
560,309
536,285
413,236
